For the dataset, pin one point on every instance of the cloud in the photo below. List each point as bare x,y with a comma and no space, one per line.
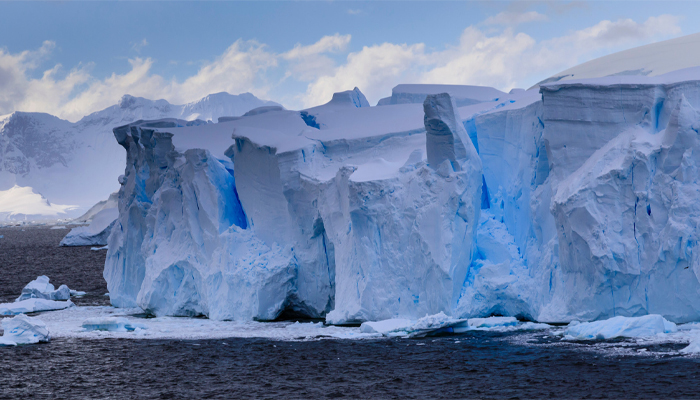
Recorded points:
327,44
239,69
508,18
354,12
306,63
139,45
504,59
374,69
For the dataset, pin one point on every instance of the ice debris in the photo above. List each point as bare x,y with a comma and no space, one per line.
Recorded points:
633,327
23,330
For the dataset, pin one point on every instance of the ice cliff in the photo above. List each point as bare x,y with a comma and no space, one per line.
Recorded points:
573,201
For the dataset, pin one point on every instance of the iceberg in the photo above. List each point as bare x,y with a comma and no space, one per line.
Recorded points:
40,288
572,201
632,327
23,330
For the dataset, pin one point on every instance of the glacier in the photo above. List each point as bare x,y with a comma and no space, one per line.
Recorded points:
571,201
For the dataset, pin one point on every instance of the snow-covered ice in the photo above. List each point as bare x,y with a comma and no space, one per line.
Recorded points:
23,330
68,323
633,327
430,324
33,305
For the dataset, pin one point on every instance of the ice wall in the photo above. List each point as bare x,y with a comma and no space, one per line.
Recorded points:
180,246
577,201
627,225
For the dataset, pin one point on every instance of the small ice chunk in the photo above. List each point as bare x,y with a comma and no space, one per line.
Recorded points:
58,227
430,324
77,293
492,322
33,305
40,288
112,324
693,347
23,330
99,248
648,325
386,326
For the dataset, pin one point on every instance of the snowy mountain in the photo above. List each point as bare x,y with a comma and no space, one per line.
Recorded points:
649,60
75,165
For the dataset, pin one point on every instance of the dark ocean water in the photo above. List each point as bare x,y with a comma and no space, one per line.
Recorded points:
473,365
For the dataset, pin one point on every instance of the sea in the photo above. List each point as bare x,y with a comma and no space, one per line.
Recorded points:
472,365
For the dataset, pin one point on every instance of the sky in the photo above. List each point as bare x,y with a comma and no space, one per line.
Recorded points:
73,58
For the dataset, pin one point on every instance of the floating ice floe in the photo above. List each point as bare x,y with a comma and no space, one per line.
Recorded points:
112,324
441,323
58,227
23,330
633,327
40,288
430,324
33,305
99,248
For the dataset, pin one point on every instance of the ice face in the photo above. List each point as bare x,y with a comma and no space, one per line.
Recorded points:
576,202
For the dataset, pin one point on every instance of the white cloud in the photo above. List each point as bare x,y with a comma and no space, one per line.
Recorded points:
306,63
509,18
327,44
139,45
505,59
374,70
239,69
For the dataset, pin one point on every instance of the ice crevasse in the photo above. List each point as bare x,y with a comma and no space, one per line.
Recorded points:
573,201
